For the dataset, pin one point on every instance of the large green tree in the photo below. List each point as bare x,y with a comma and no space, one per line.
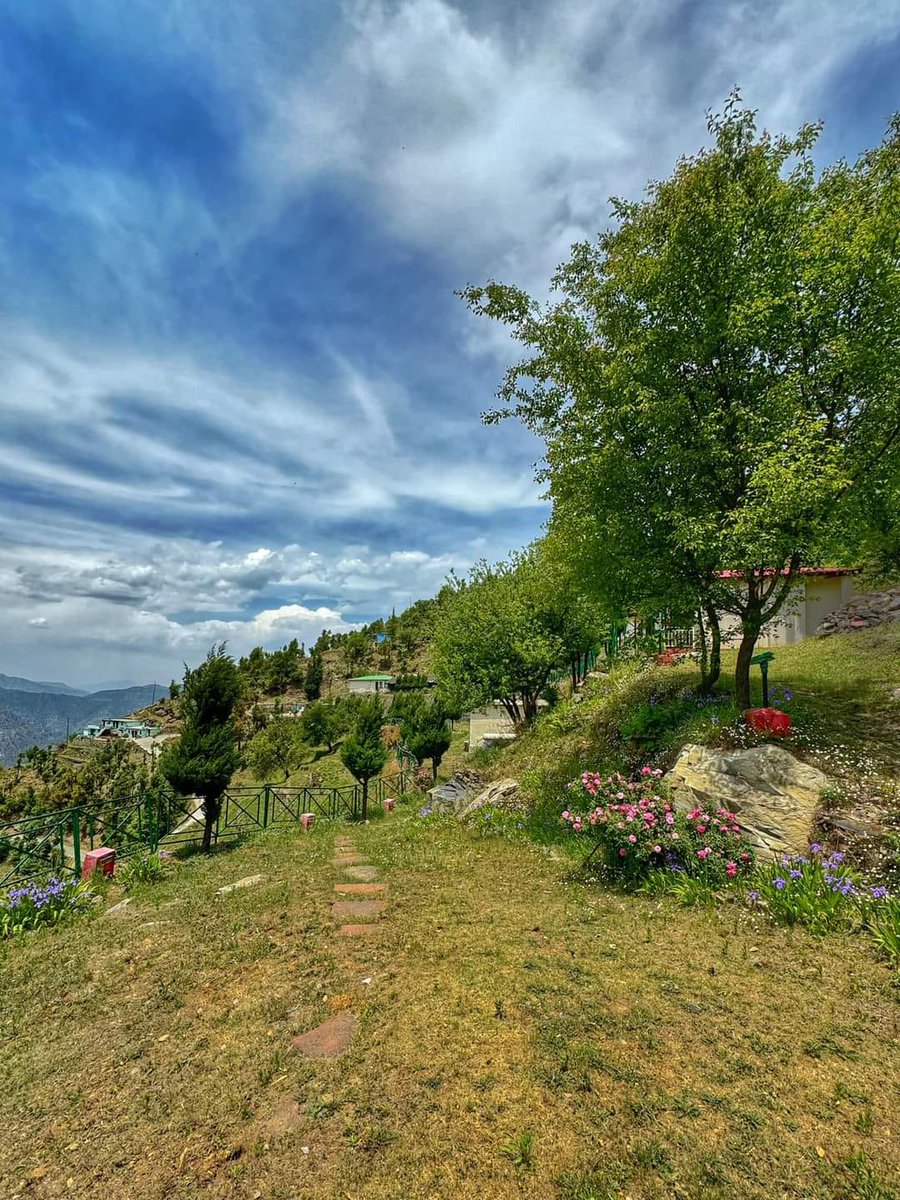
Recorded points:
363,751
204,758
278,746
503,631
717,385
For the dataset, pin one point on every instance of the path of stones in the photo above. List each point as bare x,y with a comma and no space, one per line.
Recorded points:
359,905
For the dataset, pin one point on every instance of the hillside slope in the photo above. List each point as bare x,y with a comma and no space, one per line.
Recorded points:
40,718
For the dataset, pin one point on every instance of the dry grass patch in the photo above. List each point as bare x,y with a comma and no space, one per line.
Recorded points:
518,1036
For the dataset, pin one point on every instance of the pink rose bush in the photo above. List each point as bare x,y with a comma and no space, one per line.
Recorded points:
636,828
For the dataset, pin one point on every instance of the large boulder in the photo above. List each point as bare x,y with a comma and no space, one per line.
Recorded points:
773,794
459,790
503,794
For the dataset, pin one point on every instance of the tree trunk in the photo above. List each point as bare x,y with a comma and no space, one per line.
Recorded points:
712,669
210,813
750,630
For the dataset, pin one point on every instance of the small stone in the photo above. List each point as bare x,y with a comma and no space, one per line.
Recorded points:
118,910
347,860
247,881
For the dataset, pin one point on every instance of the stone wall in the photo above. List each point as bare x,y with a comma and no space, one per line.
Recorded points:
863,612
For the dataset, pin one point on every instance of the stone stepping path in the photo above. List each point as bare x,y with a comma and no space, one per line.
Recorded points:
332,1038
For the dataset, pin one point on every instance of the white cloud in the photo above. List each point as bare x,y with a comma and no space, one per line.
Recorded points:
498,143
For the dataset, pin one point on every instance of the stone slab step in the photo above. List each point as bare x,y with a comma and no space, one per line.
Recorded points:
359,930
347,860
365,874
360,889
329,1039
357,908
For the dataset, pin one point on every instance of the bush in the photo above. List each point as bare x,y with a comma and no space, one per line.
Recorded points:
636,828
650,725
143,868
49,903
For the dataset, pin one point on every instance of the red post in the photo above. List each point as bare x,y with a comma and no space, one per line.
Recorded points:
307,820
102,859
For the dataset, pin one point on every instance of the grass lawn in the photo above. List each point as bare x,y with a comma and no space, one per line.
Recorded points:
520,1035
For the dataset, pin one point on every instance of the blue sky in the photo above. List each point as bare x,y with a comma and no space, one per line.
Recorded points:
239,398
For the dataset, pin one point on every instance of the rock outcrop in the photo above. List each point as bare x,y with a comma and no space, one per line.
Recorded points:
773,794
863,612
504,794
459,791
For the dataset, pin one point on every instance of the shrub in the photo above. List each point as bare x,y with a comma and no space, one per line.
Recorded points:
650,725
144,868
638,831
881,916
49,903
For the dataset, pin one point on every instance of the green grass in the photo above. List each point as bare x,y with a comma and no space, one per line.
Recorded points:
846,712
520,1034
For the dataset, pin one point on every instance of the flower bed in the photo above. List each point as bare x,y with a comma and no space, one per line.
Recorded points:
37,904
637,830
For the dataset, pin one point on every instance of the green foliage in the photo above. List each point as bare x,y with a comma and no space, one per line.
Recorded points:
429,736
314,677
363,751
204,758
500,633
520,1151
324,723
278,746
649,726
754,305
141,869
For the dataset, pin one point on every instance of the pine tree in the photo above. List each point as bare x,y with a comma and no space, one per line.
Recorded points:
363,752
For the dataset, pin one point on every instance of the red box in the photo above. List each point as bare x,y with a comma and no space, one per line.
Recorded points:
102,859
307,820
389,805
769,720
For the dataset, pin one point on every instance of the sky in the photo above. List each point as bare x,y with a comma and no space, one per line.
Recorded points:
239,399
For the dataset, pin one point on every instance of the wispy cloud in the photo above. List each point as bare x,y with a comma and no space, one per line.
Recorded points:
237,396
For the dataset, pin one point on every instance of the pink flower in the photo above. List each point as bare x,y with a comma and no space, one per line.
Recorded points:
670,818
632,838
657,849
646,770
704,853
731,869
566,815
623,852
701,829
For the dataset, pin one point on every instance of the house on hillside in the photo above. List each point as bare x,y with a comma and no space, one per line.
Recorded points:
819,592
368,684
125,727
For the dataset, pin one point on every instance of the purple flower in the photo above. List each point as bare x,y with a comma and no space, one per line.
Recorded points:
815,848
779,883
796,874
753,895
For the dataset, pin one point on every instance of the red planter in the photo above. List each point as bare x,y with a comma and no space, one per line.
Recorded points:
768,720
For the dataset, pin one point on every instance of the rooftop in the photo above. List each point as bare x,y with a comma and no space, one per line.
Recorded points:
371,678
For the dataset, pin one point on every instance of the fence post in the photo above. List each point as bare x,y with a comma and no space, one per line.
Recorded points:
265,820
76,841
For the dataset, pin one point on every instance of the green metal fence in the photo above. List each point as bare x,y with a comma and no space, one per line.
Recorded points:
56,842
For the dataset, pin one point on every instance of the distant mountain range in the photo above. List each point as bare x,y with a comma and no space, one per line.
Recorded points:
13,683
37,714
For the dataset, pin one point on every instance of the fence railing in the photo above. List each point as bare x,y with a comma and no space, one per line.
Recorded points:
56,842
